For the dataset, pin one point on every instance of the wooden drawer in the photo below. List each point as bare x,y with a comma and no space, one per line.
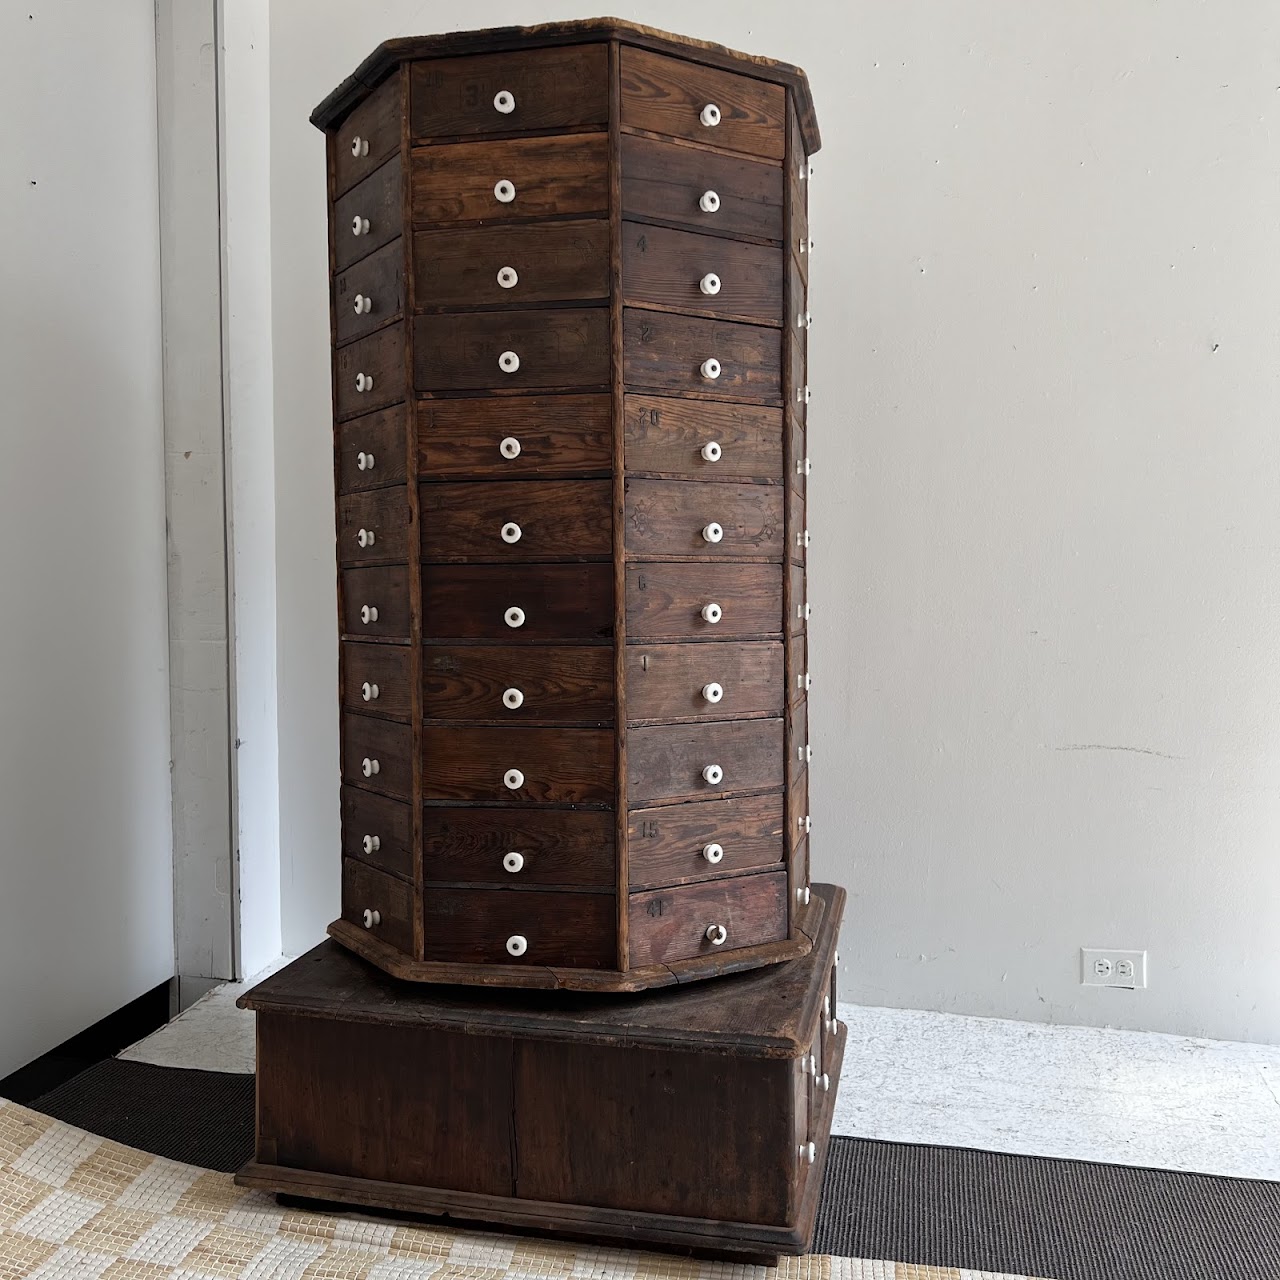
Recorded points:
665,601
377,203
800,872
377,831
368,373
668,352
559,348
799,377
800,608
552,177
671,924
799,535
666,845
377,755
554,766
563,847
375,602
550,436
481,926
366,137
666,435
666,762
798,810
666,181
661,94
497,266
369,294
376,680
798,666
558,602
364,889
547,520
798,751
548,89
371,451
670,270
479,682
373,527
800,465
703,681
676,518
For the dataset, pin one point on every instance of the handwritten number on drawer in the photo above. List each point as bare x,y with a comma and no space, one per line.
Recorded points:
648,830
655,908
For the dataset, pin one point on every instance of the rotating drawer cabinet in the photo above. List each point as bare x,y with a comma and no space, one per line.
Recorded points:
569,269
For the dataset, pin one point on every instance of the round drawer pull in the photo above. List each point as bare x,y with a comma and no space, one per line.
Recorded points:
511,532
712,692
364,382
808,1152
808,682
372,844
710,115
709,202
806,245
359,146
803,612
505,101
372,918
712,532
368,613
514,617
364,462
716,934
508,277
510,447
366,537
369,767
504,191
802,538
359,226
517,944
711,451
513,779
369,692
804,320
710,283
713,853
363,304
803,466
513,699
508,362
513,862
802,895
823,1081
710,368
805,823
712,613
713,774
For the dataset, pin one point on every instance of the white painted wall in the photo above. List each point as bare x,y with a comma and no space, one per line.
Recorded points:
1047,301
86,919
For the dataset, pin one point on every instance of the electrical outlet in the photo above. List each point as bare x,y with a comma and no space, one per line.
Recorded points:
1103,967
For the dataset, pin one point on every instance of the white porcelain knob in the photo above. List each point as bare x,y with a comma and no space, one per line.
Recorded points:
803,466
806,245
712,613
513,779
366,537
802,895
804,320
517,944
808,682
712,532
504,191
710,368
372,844
711,451
364,462
513,862
514,617
508,277
802,538
359,226
513,698
364,382
808,1152
716,934
807,823
713,774
505,101
508,362
359,146
710,115
709,202
369,692
806,393
363,304
808,753
823,1081
713,852
368,613
369,767
712,692
710,283
510,447
371,918
511,532
803,611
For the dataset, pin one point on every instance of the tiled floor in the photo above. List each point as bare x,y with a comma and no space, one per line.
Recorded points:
1078,1092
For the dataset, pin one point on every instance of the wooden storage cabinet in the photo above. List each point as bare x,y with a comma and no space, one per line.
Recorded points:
569,274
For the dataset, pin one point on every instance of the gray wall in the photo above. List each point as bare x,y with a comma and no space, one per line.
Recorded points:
1047,304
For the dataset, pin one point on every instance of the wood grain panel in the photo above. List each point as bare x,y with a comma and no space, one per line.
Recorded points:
467,682
673,681
384,590
389,749
385,669
386,824
798,751
798,665
799,375
798,540
665,762
668,518
380,437
560,766
382,513
571,602
666,434
667,352
798,810
375,201
800,608
376,123
364,889
378,281
380,357
665,601
799,469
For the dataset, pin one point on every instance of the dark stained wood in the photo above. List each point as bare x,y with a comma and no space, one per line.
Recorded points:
557,348
558,435
665,182
666,435
385,745
385,668
378,281
382,513
554,262
552,89
467,682
562,848
665,95
557,520
799,374
667,843
673,681
668,518
666,352
560,766
665,601
472,926
380,437
383,589
379,356
798,538
798,745
798,809
376,123
664,268
364,889
796,471
800,608
562,176
376,200
798,666
387,824
570,602
671,924
665,762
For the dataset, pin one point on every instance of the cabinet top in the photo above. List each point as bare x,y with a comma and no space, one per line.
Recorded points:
391,53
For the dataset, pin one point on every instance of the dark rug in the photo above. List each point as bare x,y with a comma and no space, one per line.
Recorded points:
935,1206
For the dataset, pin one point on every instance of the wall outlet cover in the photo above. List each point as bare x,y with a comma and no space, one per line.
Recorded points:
1110,967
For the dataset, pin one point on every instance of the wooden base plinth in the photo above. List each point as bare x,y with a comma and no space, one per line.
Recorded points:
681,1119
